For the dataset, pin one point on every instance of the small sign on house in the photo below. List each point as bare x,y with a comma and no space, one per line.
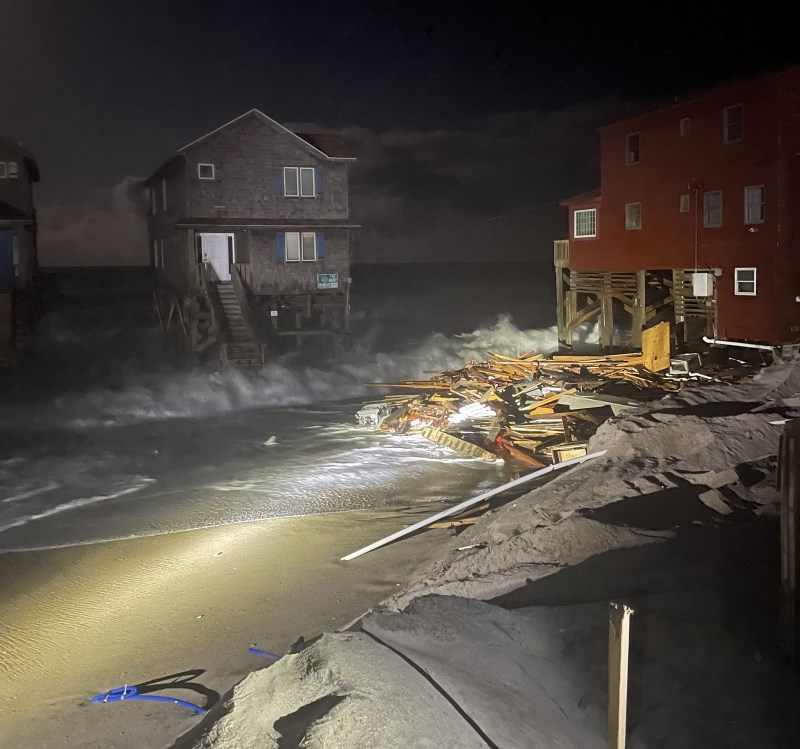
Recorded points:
327,280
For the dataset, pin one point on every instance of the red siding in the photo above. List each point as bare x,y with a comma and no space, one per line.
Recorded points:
670,163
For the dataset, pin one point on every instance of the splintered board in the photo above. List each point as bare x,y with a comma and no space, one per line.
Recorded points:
655,347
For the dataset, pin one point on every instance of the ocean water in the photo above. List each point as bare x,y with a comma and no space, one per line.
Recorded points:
106,432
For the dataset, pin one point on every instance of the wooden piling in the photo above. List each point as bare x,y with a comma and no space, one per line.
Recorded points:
619,627
789,486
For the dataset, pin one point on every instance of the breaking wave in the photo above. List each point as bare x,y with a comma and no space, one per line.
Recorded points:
282,383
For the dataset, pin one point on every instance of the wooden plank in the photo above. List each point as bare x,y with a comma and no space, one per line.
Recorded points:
655,347
619,624
469,503
460,446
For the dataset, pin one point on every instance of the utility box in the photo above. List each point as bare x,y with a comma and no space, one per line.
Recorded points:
703,284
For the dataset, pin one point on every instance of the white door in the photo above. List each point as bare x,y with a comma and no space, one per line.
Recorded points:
218,250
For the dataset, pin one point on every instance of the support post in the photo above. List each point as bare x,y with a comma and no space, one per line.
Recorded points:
789,486
560,322
639,310
619,629
606,313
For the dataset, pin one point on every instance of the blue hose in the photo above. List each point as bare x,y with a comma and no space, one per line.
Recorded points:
264,654
131,693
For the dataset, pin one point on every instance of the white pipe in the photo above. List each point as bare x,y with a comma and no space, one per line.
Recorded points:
470,502
740,344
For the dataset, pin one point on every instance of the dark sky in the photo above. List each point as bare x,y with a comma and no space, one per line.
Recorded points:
100,90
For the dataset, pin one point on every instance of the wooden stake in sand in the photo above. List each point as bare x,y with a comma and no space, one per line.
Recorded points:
469,503
789,485
619,630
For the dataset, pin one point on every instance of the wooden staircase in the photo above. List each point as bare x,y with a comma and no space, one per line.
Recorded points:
240,344
240,348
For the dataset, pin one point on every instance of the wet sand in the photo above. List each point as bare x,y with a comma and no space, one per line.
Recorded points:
81,620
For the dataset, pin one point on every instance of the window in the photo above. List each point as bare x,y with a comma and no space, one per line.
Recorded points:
306,182
162,253
633,215
205,171
586,223
733,124
745,282
299,182
301,247
685,126
712,209
754,204
13,172
685,203
164,194
3,170
632,148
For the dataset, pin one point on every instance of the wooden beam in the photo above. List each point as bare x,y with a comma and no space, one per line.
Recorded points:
789,485
469,503
619,628
606,313
639,310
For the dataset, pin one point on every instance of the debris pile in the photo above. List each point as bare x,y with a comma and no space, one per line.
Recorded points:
529,409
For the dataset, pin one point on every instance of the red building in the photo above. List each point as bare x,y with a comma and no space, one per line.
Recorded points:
697,218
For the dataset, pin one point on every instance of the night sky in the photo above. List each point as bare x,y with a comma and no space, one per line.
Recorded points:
461,112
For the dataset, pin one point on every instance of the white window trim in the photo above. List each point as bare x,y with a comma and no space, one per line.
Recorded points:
688,199
725,111
736,282
721,210
763,205
633,228
684,131
13,170
164,193
628,161
286,171
313,181
299,235
213,172
575,223
3,170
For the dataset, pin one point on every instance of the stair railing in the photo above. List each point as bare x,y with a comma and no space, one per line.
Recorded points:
243,295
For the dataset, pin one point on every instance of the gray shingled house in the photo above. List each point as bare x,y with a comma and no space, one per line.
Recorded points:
250,236
18,172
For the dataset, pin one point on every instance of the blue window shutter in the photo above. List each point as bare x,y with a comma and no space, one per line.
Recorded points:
280,242
320,246
279,181
318,180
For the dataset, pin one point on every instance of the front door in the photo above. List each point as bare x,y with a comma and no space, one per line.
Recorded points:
218,249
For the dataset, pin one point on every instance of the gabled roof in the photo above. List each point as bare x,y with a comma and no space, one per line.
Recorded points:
330,147
26,156
592,196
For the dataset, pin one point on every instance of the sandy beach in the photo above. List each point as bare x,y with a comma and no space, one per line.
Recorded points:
85,619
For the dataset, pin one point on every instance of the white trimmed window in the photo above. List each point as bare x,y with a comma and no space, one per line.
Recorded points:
205,171
754,204
13,170
733,124
712,209
164,194
299,182
685,126
586,223
3,170
301,247
632,148
685,203
633,215
745,282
